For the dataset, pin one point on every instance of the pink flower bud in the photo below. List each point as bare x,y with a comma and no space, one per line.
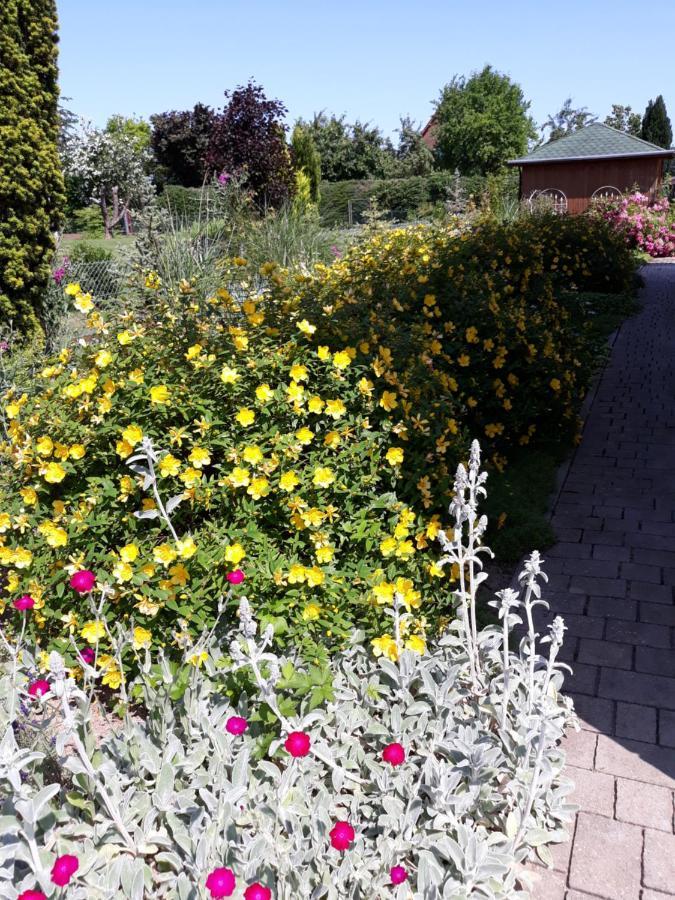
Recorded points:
297,743
235,577
236,725
83,581
25,602
63,869
32,895
88,655
257,892
394,754
221,882
341,836
398,875
39,688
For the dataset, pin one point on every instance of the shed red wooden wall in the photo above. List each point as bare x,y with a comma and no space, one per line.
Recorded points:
578,179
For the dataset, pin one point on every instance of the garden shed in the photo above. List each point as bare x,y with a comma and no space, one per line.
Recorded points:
595,161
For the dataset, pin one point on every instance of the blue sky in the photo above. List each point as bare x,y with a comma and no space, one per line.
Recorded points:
372,60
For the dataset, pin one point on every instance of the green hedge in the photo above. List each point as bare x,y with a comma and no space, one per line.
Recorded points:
401,198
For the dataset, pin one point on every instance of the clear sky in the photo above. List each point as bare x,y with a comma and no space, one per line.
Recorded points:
370,59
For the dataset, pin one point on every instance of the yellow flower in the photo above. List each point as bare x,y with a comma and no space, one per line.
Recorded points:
190,476
323,477
464,360
239,477
5,522
45,446
304,435
264,393
142,638
122,571
416,644
72,289
93,631
258,488
22,558
472,335
229,375
288,481
383,593
179,575
299,373
388,401
335,408
306,328
199,457
324,554
153,281
295,392
366,387
112,677
164,554
133,434
323,352
555,384
315,404
245,417
194,351
169,465
234,553
103,358
385,646
77,451
388,546
160,394
186,547
55,536
296,574
332,439
405,549
252,454
198,659
124,338
394,456
311,612
129,553
54,473
341,359
84,303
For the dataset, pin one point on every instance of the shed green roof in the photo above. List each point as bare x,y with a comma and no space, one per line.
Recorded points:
595,141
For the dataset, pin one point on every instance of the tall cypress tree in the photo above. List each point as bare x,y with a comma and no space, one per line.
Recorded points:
306,159
31,184
656,126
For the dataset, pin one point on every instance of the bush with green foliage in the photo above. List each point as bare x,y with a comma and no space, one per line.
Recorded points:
32,194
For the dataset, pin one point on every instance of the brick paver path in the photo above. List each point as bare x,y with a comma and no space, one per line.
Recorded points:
612,577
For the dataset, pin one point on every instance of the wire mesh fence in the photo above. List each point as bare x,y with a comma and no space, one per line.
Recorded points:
102,278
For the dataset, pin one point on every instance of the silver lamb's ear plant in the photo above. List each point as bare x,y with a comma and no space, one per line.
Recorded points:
143,463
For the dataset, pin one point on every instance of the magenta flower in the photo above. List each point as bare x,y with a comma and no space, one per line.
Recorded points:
23,603
39,688
32,895
257,892
341,836
297,743
83,581
224,177
236,725
88,655
398,875
221,882
235,577
63,869
394,754
4,346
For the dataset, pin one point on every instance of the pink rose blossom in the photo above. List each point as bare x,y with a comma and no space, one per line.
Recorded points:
63,869
394,754
83,581
341,836
221,882
236,725
23,603
39,688
297,743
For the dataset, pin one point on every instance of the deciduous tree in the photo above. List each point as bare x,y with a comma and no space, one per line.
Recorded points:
179,143
624,119
566,120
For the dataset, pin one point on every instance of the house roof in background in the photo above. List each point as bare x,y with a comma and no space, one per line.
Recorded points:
595,141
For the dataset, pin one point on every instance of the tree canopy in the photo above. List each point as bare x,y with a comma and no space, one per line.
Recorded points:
179,142
482,121
656,127
624,119
566,120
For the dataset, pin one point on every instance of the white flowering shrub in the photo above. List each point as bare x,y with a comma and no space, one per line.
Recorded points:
425,777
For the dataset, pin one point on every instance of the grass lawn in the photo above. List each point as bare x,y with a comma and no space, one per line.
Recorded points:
118,245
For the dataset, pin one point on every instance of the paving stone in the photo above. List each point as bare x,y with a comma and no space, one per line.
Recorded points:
579,747
638,633
657,614
568,551
616,554
544,884
602,587
594,713
658,662
640,572
666,728
593,791
606,858
654,895
636,760
606,538
613,608
658,557
644,804
636,722
583,679
605,653
586,626
653,593
659,861
593,567
637,687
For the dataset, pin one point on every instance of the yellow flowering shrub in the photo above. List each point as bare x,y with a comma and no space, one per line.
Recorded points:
286,454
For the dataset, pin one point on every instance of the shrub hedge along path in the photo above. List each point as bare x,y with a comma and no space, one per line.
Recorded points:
612,577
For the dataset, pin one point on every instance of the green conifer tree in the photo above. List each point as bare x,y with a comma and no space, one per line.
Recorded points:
31,184
656,127
306,159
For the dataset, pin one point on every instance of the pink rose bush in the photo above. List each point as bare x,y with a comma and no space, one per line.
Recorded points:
433,774
648,225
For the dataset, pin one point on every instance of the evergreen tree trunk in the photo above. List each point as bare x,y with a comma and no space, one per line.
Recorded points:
32,194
